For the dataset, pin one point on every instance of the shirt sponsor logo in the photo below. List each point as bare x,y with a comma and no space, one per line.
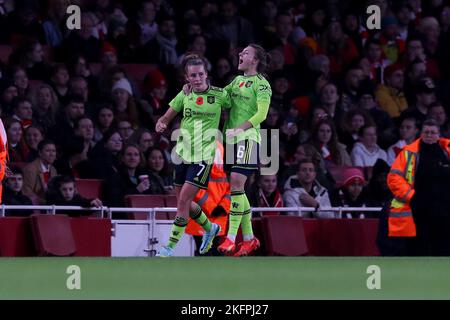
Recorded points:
191,113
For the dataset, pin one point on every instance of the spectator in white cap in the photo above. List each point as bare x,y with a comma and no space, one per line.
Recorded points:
123,84
124,103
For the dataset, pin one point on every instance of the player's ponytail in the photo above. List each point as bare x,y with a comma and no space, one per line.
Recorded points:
262,56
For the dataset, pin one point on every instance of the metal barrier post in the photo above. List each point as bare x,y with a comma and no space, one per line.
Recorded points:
3,210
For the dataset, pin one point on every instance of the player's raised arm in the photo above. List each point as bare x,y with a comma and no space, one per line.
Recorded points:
164,121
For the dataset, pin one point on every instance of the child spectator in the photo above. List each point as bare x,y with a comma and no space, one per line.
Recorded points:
12,194
350,194
63,192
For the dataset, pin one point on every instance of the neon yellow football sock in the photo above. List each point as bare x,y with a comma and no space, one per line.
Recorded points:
247,230
177,231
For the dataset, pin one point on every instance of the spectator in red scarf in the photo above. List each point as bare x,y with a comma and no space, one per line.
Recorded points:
324,138
23,112
17,149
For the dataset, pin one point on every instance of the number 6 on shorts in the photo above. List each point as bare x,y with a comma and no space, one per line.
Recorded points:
240,152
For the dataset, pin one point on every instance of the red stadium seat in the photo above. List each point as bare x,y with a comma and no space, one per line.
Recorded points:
138,71
171,201
95,68
53,235
284,236
146,201
5,52
337,174
89,188
19,165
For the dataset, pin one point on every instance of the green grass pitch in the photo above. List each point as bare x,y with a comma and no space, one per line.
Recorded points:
223,278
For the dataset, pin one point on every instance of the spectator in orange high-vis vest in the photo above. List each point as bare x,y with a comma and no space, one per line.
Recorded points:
3,156
419,179
215,201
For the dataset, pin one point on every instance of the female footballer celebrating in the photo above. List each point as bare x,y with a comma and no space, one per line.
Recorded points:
250,99
194,150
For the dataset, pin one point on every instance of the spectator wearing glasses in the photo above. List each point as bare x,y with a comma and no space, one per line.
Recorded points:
125,129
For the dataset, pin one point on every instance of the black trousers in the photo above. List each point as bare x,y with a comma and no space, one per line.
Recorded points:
433,236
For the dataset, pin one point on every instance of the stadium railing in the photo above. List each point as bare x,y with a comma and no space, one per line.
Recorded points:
51,209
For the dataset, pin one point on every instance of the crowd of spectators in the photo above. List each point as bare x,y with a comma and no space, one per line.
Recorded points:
346,99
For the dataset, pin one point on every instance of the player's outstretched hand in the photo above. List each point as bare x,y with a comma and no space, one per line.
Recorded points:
160,126
187,88
230,133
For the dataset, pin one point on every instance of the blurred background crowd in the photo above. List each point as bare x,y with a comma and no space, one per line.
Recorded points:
346,99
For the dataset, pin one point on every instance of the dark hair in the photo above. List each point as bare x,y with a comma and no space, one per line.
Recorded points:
15,170
410,118
76,98
262,56
97,115
364,127
307,160
332,144
132,145
348,117
192,59
371,41
43,143
65,179
56,67
77,122
436,104
19,100
165,168
430,123
76,79
37,127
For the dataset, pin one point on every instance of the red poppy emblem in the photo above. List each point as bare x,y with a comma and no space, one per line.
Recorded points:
199,101
241,84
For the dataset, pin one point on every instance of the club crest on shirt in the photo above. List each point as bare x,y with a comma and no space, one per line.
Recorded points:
248,84
211,99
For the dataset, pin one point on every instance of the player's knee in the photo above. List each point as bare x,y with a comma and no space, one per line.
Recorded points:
185,200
